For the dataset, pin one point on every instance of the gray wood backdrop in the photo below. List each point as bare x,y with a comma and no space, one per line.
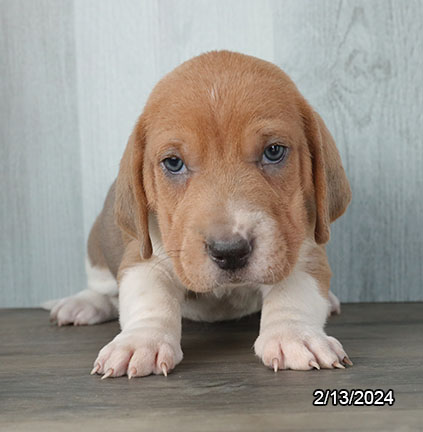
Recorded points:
74,75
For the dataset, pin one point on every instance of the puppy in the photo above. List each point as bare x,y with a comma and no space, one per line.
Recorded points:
221,208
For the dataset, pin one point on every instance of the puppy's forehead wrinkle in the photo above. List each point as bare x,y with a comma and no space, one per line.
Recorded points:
218,94
214,93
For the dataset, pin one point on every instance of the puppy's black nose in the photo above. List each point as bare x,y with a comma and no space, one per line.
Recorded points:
229,254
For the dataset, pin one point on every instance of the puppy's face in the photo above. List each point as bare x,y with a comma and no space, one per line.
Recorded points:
227,169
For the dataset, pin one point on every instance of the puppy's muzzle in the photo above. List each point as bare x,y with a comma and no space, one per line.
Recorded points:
230,254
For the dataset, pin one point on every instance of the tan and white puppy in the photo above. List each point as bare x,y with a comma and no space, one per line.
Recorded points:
222,207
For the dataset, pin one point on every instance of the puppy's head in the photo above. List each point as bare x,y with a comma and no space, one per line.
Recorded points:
238,168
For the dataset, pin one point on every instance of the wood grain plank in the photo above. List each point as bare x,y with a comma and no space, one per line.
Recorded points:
220,384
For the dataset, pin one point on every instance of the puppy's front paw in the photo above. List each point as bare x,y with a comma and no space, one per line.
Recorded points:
138,352
301,348
85,308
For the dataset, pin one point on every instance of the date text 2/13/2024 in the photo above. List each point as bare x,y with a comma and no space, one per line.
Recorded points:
353,397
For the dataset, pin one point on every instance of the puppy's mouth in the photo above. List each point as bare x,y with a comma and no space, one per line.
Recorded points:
235,254
232,277
247,277
241,278
228,272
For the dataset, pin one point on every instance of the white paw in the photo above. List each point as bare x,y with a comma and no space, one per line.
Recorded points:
85,308
292,346
335,304
139,352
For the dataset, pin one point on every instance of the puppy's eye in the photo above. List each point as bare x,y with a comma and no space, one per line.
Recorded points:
174,165
274,154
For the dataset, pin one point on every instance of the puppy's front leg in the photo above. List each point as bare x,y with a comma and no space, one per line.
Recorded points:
291,329
150,318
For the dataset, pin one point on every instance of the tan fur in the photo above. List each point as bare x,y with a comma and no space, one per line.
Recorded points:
105,243
130,257
316,264
218,112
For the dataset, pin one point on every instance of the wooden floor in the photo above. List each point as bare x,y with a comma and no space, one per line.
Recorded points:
45,383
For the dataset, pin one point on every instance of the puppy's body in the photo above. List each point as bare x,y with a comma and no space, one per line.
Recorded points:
221,208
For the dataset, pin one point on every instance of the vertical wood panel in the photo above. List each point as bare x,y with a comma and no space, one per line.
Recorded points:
115,72
358,65
41,209
75,75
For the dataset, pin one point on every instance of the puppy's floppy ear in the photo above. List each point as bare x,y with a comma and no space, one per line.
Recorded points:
131,207
331,188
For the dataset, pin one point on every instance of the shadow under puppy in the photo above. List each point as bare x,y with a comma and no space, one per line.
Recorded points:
221,207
